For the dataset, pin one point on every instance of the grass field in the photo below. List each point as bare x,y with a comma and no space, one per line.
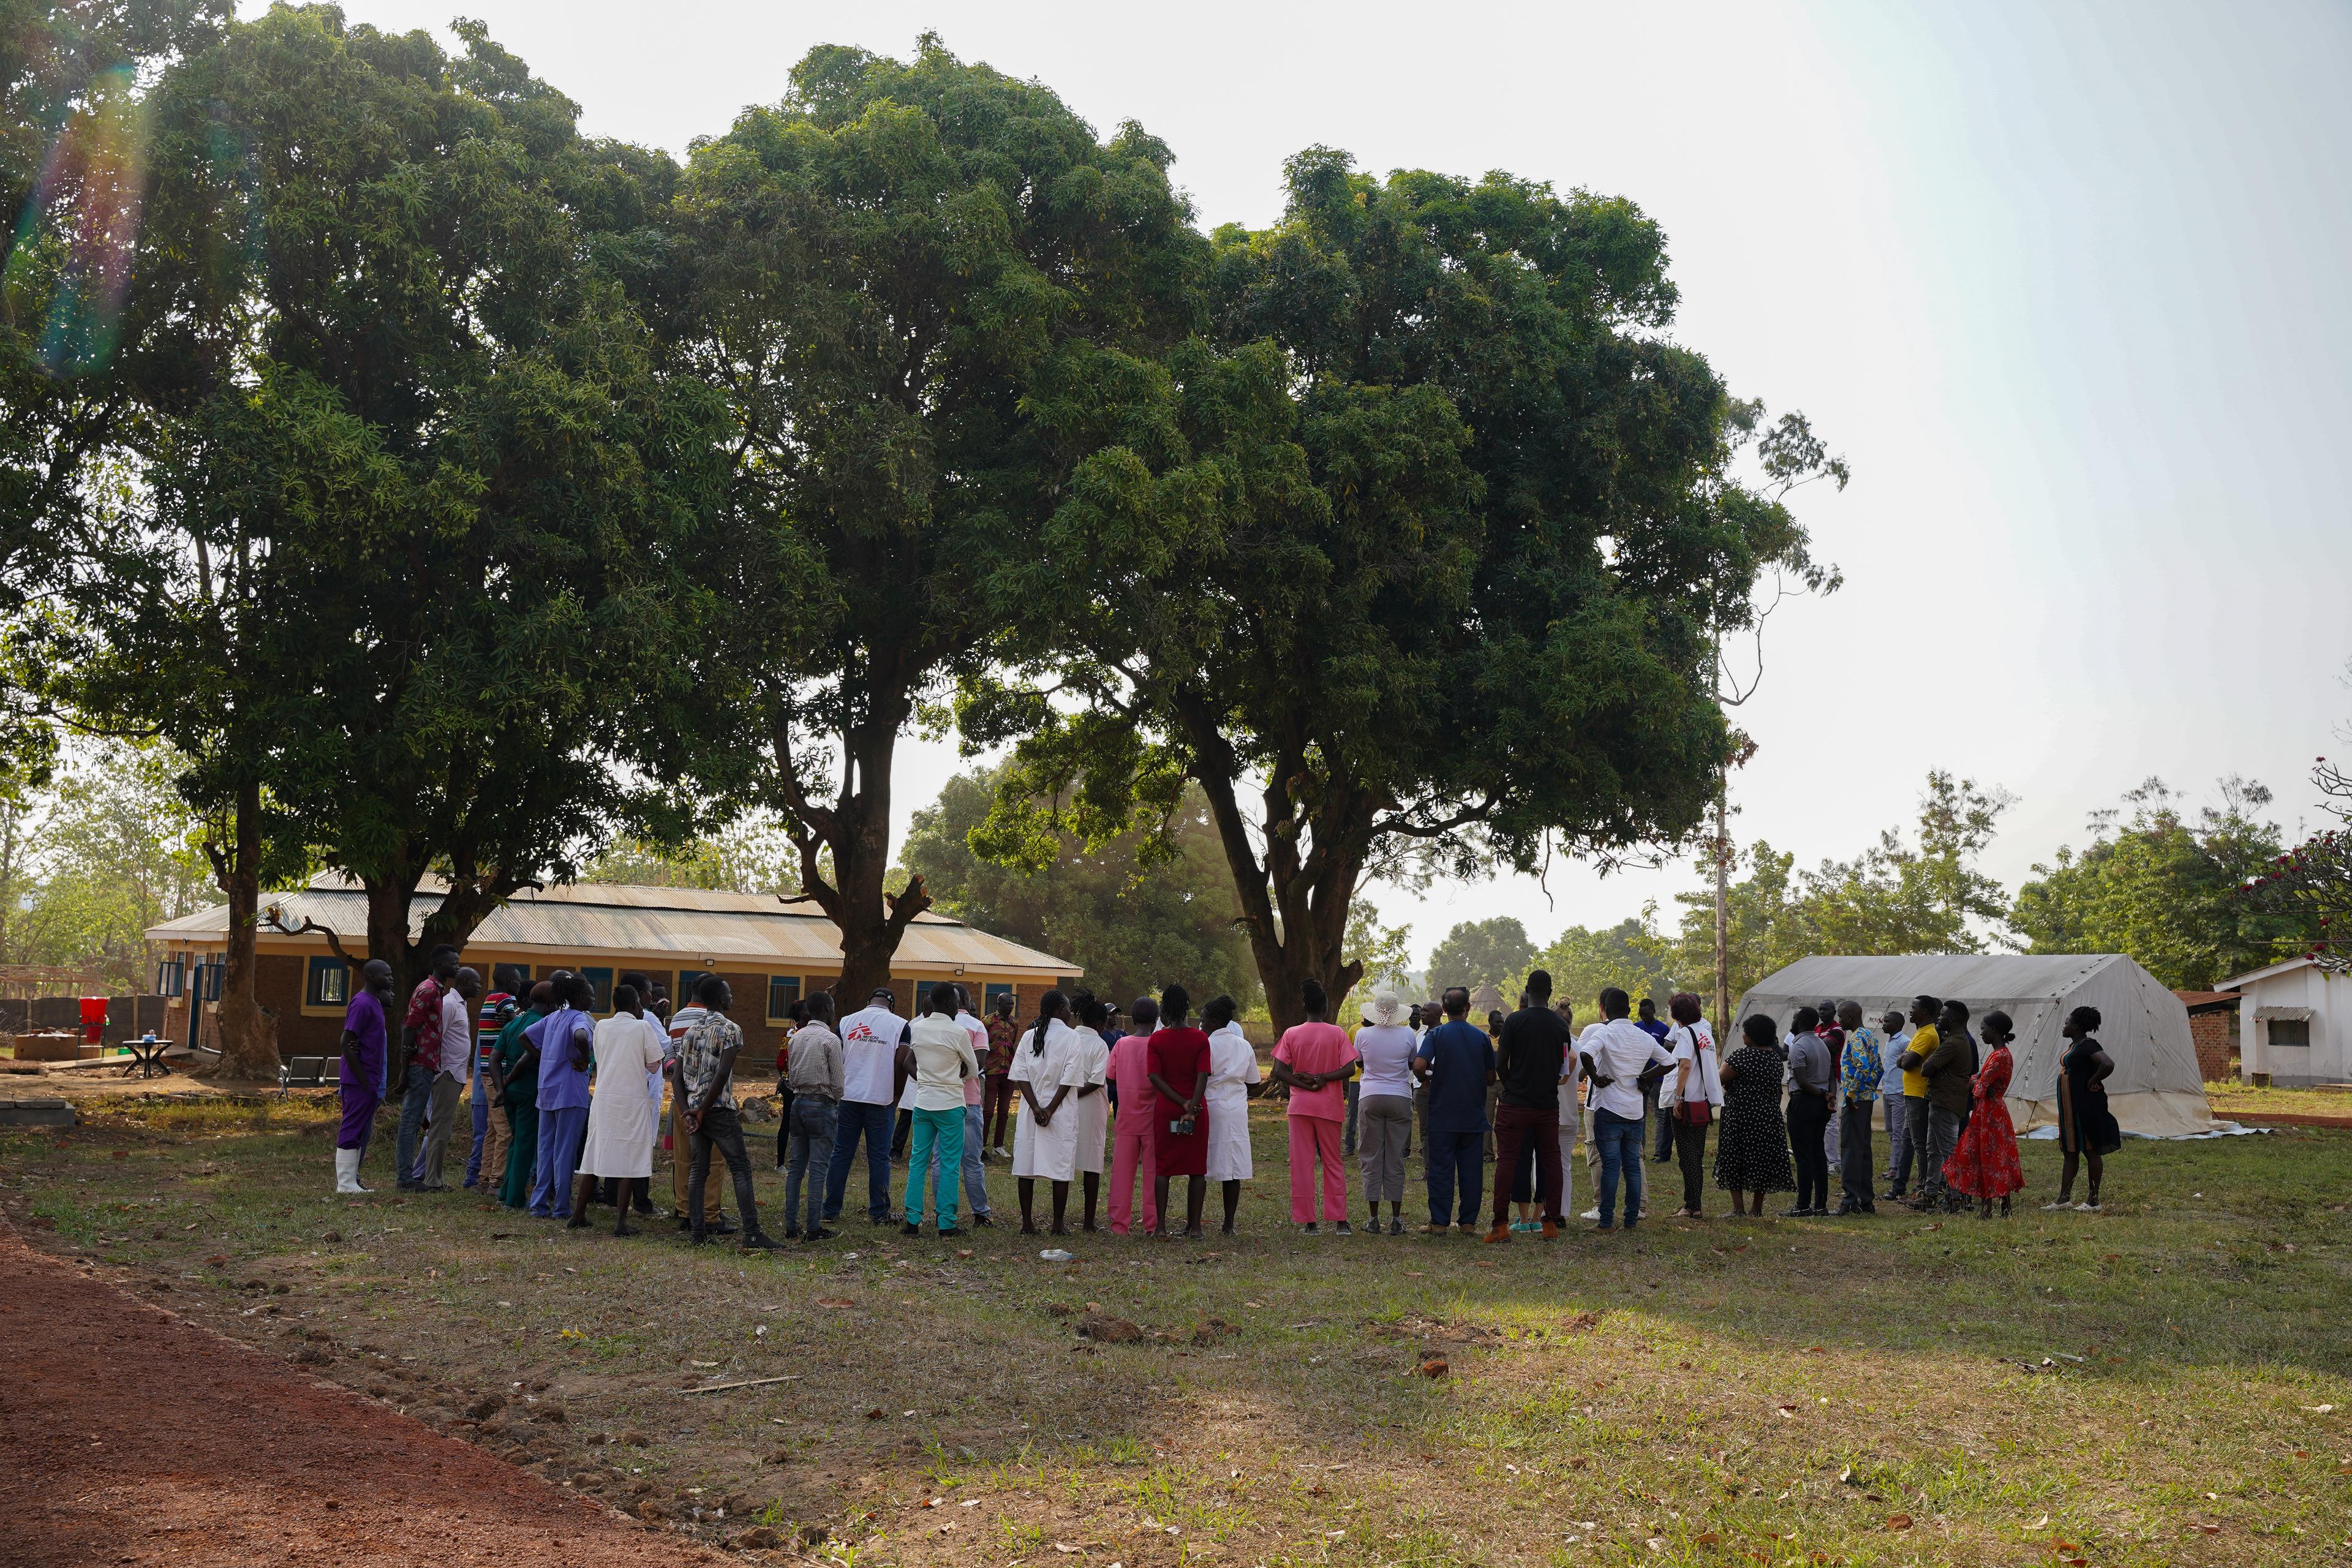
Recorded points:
2167,1382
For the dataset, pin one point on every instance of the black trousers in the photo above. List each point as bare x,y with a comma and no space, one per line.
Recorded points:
1809,1124
1690,1148
723,1129
1853,1155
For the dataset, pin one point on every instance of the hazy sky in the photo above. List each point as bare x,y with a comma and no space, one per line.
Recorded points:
2065,284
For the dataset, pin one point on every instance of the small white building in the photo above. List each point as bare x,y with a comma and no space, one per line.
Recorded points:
2295,1024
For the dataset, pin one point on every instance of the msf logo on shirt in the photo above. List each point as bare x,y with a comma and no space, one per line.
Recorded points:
863,1034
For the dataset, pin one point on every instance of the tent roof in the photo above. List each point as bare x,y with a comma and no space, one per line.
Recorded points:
2155,1088
685,924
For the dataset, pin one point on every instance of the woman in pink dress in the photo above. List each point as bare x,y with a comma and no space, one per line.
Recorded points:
1984,1163
1180,1057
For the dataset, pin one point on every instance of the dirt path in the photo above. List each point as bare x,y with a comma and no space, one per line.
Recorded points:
128,1436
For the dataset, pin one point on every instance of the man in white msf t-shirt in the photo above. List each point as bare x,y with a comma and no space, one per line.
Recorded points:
870,1038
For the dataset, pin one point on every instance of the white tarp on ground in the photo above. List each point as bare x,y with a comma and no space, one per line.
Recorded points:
2156,1090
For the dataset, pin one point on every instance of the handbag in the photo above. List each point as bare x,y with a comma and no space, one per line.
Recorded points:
1697,1112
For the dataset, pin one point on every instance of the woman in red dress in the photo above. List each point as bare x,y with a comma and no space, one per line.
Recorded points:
1179,1061
1984,1164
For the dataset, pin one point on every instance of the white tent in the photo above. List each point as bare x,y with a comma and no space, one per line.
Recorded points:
2156,1090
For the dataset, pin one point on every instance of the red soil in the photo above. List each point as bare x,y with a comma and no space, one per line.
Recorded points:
130,1436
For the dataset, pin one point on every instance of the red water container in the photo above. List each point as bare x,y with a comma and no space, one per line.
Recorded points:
93,1019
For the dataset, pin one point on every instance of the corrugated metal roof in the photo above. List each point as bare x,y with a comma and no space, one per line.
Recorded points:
687,923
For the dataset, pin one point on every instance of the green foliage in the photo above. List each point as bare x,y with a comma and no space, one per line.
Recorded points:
1495,952
751,854
1381,952
2163,886
88,866
417,506
925,288
1633,955
1420,571
1135,926
71,150
1893,898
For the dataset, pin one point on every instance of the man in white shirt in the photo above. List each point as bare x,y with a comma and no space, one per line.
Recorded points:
455,1064
1895,1039
870,1038
1615,1053
975,1187
944,1063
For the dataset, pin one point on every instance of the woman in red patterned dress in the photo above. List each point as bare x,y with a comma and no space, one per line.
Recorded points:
1984,1164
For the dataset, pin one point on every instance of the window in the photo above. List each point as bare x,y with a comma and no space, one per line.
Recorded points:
784,990
514,979
328,983
2290,1031
600,977
1002,988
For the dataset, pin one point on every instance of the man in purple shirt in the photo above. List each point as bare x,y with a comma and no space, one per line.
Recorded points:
563,1038
361,1076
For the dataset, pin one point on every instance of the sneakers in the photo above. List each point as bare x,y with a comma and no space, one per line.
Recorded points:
1311,1228
1341,1230
910,1228
1590,1214
2057,1204
821,1234
2086,1208
1396,1226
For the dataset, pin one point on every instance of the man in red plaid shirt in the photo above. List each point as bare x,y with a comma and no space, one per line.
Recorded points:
420,1038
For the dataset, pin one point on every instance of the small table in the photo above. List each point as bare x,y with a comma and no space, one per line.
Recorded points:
146,1057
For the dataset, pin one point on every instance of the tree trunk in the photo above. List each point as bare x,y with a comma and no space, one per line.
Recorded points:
387,939
855,832
248,1036
1722,909
1300,936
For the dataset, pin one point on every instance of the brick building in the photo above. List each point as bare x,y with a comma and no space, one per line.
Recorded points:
2213,1027
772,953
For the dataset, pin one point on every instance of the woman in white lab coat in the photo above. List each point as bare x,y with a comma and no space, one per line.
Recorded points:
1234,1081
1091,1115
624,1115
1045,1143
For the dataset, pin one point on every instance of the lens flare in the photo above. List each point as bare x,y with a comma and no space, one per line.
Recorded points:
72,261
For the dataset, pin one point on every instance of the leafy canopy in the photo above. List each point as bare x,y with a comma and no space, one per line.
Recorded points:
1134,927
1418,574
2162,886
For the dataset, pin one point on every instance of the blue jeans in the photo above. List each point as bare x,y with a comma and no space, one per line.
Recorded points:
936,1150
1456,1163
975,1190
809,1149
877,1122
415,1098
480,1095
1620,1138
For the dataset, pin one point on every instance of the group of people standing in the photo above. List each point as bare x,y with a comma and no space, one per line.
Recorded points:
1168,1098
1810,1100
567,1106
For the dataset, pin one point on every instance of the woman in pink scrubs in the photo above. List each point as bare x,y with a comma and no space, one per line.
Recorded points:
1130,1155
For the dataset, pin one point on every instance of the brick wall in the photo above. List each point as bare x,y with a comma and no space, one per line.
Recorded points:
2215,1033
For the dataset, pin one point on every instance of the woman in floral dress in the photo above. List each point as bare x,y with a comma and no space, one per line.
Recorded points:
1984,1163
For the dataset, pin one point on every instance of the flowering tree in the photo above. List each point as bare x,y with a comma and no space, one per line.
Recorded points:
2313,879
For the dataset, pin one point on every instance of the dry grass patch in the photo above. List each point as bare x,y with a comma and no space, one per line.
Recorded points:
2164,1384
